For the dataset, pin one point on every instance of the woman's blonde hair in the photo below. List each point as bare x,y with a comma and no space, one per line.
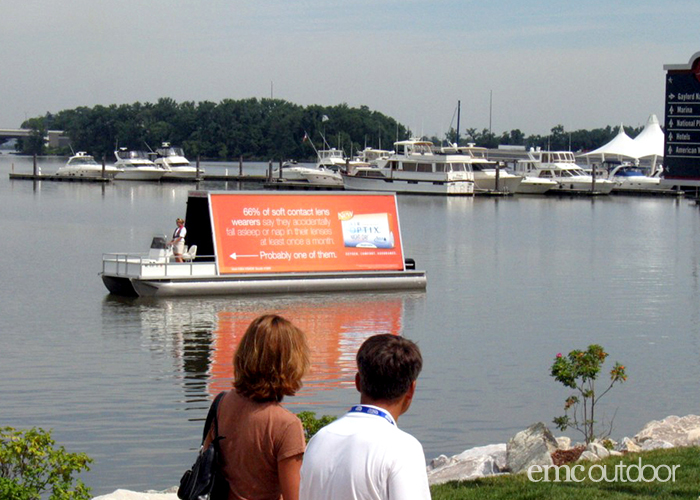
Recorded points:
271,359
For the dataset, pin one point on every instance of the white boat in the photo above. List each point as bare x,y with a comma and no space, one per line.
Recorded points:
631,178
414,167
535,185
561,167
321,176
487,174
207,266
291,171
174,159
84,165
135,166
331,159
372,155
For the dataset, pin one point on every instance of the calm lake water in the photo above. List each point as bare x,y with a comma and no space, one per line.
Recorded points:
511,282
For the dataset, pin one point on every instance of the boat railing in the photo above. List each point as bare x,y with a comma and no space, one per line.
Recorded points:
140,265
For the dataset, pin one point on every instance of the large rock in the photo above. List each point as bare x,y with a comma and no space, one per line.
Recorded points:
677,431
533,446
470,464
628,446
563,443
598,449
169,494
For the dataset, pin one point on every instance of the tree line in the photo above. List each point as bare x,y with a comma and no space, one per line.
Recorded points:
251,128
261,129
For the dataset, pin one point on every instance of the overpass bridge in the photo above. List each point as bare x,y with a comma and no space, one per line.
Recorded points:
53,138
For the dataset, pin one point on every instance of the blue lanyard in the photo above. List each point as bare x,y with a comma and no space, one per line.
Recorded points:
370,410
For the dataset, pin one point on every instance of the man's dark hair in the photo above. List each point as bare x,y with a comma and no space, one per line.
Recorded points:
388,365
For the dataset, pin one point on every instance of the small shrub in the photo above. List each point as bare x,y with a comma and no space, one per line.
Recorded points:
31,465
312,424
579,370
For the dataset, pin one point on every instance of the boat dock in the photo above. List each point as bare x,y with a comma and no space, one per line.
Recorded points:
281,184
66,178
54,177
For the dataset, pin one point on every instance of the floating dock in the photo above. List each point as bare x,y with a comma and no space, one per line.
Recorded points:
59,178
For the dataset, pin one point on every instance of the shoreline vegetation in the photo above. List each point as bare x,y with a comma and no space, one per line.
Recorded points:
263,129
667,467
519,486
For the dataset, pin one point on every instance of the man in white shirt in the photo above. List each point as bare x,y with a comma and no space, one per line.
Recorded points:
364,455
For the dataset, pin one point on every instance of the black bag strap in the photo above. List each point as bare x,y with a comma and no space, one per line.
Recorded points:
211,417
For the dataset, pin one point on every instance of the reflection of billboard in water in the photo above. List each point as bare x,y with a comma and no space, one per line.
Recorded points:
334,330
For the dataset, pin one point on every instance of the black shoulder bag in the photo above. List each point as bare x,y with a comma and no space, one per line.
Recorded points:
205,481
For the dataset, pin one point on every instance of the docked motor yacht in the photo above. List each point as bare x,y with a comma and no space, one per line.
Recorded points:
561,167
84,165
631,178
330,159
291,171
135,166
174,159
414,167
321,176
371,155
488,176
535,185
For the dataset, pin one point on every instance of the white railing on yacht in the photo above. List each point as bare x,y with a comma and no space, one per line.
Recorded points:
143,266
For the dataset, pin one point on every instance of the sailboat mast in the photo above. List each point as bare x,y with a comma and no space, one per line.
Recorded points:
459,108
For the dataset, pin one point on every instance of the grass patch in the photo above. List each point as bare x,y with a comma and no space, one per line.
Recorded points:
519,487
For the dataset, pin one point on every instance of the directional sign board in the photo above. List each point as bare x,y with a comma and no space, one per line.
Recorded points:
290,232
682,125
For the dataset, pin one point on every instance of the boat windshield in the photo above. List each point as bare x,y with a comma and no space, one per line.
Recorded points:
630,172
170,152
330,153
131,155
82,160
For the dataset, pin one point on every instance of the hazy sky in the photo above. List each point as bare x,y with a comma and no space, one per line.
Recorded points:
584,64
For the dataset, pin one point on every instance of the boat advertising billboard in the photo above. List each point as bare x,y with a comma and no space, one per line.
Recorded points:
305,232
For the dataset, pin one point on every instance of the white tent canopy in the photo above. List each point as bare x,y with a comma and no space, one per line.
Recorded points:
621,146
650,141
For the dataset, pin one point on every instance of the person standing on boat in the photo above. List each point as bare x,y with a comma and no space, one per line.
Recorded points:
364,455
178,241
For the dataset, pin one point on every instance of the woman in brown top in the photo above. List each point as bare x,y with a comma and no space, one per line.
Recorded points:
263,443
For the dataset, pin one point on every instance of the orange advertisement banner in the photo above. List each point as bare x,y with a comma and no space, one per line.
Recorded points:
290,232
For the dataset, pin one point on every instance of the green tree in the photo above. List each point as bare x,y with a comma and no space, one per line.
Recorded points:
36,142
579,371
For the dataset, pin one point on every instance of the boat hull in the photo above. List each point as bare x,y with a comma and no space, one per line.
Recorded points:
323,178
139,175
582,187
533,185
640,185
109,173
507,184
460,187
257,283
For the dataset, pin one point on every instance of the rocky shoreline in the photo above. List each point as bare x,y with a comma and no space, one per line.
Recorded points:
535,445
